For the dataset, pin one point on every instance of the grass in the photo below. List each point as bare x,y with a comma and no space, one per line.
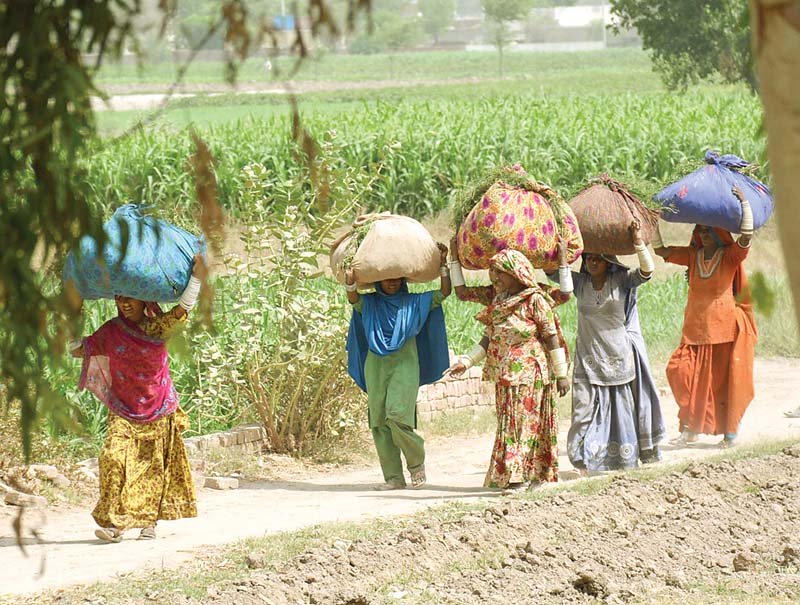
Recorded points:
461,422
615,64
228,563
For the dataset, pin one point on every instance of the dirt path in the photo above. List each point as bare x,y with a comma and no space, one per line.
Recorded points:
142,97
71,555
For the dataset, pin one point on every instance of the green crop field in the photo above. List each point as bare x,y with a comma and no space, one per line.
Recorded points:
420,150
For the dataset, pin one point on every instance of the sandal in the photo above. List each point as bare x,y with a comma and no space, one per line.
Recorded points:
147,533
684,439
418,478
109,534
727,443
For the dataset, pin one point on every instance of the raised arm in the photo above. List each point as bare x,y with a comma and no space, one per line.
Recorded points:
746,227
646,264
351,286
444,273
479,294
189,297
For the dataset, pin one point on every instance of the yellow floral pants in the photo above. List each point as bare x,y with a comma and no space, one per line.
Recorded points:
144,473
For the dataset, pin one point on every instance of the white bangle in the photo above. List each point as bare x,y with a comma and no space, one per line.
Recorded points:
746,227
476,354
351,287
189,296
456,274
646,264
565,280
656,241
558,359
444,271
74,345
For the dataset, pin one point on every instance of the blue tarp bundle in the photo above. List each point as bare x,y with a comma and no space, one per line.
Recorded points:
704,197
155,267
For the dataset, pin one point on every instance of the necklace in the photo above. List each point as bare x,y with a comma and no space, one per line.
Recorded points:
705,267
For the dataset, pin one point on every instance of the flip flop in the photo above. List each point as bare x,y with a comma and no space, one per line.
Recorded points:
109,534
147,533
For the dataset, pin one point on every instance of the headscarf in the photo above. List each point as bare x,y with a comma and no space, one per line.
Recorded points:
387,321
515,264
128,370
741,289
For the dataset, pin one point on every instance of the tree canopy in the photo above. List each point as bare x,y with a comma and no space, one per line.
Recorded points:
693,40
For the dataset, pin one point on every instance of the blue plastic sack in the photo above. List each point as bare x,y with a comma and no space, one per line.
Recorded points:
704,197
156,266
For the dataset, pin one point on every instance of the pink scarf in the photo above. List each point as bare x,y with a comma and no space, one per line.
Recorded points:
128,371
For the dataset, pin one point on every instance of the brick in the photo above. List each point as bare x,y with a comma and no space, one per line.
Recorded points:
452,387
20,499
440,392
221,483
423,407
255,433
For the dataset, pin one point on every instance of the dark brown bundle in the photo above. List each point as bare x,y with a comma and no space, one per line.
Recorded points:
605,211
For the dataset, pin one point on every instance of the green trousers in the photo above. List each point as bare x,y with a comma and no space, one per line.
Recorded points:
391,438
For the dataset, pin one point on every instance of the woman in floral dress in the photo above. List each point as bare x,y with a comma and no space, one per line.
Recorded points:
521,333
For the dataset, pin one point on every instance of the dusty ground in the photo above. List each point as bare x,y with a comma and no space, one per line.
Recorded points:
714,529
456,467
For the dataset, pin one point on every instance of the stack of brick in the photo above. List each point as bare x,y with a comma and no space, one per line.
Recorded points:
250,437
466,393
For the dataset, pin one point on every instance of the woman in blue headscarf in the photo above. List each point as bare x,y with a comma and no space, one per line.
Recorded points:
397,342
616,413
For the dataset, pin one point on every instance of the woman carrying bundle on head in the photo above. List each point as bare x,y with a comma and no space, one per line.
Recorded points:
144,471
616,414
711,372
526,358
397,342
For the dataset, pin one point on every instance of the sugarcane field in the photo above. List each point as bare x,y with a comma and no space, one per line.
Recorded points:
410,302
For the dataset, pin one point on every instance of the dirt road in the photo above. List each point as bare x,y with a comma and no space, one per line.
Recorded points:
71,555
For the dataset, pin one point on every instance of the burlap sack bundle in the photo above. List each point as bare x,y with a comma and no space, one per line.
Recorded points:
386,246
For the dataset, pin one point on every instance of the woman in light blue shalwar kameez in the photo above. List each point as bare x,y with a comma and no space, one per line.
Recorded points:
616,413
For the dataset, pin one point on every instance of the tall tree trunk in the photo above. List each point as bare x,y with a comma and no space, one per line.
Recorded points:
776,44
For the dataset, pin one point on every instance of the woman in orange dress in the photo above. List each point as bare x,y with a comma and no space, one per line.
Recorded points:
711,371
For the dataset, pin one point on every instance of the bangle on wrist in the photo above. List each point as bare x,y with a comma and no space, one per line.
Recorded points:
558,359
456,274
646,264
189,297
565,280
444,271
351,287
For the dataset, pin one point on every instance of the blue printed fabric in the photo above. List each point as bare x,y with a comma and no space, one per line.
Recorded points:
155,267
704,197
